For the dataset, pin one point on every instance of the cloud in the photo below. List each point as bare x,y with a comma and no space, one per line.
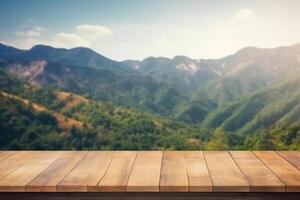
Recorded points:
23,43
82,35
69,40
243,14
35,32
93,31
28,34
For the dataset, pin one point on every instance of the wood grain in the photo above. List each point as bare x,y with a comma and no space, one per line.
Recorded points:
173,173
118,172
5,154
87,173
20,177
145,174
287,173
197,172
261,178
292,156
50,177
14,161
149,171
225,174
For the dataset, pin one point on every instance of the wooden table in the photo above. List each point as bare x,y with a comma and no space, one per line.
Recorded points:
149,175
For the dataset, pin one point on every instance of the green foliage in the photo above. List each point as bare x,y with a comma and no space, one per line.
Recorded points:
21,128
45,96
280,137
140,92
107,126
195,111
137,130
276,104
219,141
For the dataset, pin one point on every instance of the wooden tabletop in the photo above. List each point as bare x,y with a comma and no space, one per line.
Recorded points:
149,171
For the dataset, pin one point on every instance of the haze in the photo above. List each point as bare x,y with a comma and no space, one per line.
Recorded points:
137,29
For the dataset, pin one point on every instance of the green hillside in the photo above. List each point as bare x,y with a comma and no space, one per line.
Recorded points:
46,118
105,126
83,100
278,103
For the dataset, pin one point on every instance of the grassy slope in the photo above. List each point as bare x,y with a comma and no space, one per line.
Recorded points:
278,103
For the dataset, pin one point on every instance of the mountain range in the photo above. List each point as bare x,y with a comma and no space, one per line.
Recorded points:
251,90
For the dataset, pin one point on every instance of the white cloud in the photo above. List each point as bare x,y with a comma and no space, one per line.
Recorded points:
69,40
24,43
35,32
83,35
93,31
28,34
243,14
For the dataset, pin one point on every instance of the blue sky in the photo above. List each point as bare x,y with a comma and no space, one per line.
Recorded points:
135,29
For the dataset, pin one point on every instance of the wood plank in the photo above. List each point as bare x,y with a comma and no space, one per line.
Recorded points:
287,173
225,174
5,154
197,172
145,173
86,175
118,173
50,177
261,178
292,156
173,173
14,161
149,171
18,179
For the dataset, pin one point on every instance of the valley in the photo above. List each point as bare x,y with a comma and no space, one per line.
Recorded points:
250,99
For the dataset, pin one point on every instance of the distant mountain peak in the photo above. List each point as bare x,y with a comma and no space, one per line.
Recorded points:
84,49
80,56
41,46
247,50
181,57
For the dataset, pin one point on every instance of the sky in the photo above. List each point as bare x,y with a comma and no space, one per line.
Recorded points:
136,29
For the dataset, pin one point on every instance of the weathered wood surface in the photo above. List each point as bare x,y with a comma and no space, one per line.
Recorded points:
87,173
260,177
173,173
197,172
292,156
18,179
117,175
225,174
288,173
149,171
148,166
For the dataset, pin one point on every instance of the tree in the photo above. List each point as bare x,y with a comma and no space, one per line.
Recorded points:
219,141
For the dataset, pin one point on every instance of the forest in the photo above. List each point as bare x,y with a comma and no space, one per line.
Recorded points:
48,118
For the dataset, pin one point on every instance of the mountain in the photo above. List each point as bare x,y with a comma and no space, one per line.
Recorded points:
254,68
50,99
76,56
46,118
112,81
180,88
248,71
278,103
181,71
40,118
